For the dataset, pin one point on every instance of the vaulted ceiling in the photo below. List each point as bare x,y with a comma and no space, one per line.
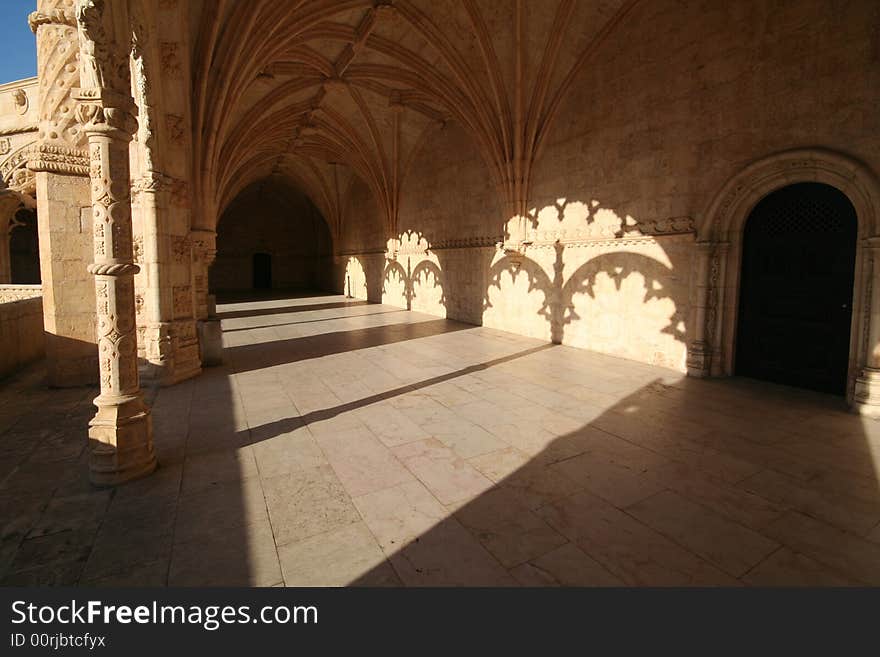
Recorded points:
324,90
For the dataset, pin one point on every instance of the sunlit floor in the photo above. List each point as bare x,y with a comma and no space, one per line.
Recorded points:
352,443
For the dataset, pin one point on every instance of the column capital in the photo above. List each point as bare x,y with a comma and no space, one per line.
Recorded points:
106,112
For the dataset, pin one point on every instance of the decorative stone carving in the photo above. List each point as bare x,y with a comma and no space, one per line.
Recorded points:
5,146
181,249
20,99
168,52
175,126
61,140
121,431
59,159
182,301
155,182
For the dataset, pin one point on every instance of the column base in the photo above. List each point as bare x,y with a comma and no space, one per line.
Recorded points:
211,342
866,396
120,441
699,359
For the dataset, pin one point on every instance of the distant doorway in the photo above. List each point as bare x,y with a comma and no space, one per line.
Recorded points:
795,308
262,271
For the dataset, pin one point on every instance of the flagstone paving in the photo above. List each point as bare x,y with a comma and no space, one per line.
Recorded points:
346,443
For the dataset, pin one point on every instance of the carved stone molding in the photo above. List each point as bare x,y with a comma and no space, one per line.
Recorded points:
58,159
155,182
51,16
18,130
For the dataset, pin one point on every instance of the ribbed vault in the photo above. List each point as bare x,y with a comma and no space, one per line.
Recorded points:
319,91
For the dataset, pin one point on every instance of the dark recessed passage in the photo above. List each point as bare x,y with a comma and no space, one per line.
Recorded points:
795,307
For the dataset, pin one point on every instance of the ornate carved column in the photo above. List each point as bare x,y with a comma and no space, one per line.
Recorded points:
866,396
121,432
699,355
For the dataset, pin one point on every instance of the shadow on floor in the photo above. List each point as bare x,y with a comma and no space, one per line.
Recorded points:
539,465
258,356
284,310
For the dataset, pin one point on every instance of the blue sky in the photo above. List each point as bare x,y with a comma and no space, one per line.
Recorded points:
18,49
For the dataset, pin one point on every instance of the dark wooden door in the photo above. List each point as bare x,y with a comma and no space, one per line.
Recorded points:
262,271
796,288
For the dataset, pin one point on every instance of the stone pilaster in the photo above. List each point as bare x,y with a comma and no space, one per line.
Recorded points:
204,250
699,356
121,432
210,336
866,395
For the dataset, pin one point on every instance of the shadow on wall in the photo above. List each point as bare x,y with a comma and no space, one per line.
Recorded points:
588,277
362,277
414,278
571,273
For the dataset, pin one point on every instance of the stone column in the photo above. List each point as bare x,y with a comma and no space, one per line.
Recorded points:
700,351
120,434
866,396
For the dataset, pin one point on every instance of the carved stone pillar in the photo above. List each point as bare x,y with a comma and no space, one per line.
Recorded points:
121,432
866,396
699,357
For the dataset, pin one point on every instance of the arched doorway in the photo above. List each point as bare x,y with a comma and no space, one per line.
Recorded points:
796,288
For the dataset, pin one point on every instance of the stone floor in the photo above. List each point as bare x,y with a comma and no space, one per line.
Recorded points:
353,443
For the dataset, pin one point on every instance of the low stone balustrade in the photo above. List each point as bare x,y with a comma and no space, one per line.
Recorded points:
21,327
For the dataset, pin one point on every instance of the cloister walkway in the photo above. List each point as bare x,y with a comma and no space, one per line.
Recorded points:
351,443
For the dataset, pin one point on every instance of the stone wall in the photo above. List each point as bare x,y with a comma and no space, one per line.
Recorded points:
283,224
21,331
677,100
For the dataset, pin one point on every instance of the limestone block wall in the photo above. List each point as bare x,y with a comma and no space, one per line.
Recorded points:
21,332
679,98
66,246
